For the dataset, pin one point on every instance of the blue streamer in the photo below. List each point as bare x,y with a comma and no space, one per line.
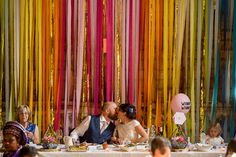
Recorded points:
226,81
216,84
233,77
225,128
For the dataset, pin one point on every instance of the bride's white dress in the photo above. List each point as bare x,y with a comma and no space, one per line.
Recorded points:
127,131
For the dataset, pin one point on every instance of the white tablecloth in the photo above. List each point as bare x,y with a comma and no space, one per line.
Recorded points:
128,154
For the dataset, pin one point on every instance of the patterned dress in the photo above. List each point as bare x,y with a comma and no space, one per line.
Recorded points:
31,128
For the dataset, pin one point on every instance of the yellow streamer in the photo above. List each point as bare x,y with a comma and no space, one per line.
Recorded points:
181,26
175,49
159,26
36,58
22,39
31,39
165,59
170,52
2,42
26,58
169,117
39,19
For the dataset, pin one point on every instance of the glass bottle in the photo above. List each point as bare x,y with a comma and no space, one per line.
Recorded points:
160,131
152,134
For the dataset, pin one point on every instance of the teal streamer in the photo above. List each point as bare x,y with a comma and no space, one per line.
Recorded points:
232,115
215,89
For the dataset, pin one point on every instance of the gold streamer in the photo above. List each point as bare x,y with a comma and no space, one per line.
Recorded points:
202,94
193,18
52,33
84,77
32,30
11,52
26,58
39,22
205,55
103,54
118,46
152,12
165,60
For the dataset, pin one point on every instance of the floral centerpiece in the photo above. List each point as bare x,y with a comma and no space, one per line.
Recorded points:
178,142
49,142
179,139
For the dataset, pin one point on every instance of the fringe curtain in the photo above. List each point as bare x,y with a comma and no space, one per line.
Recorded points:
65,58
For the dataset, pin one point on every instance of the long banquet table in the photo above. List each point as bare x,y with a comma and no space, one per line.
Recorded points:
116,152
128,154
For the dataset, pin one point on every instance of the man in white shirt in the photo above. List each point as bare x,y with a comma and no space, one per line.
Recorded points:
97,129
160,147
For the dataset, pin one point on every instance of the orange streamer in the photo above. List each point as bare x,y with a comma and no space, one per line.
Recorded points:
146,40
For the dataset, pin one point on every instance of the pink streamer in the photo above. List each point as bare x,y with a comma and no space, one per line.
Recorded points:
88,54
127,51
74,37
136,49
75,63
80,49
68,66
93,42
109,25
130,55
61,77
98,55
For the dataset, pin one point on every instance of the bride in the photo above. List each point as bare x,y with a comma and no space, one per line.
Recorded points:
128,129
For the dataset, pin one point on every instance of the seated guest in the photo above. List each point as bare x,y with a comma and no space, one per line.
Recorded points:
88,129
213,135
231,149
28,151
23,114
129,129
160,147
14,137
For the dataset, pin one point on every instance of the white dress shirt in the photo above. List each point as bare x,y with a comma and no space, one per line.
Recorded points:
84,125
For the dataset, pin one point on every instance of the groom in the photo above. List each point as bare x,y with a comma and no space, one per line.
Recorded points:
97,129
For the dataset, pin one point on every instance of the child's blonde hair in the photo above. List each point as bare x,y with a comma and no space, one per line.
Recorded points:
217,126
